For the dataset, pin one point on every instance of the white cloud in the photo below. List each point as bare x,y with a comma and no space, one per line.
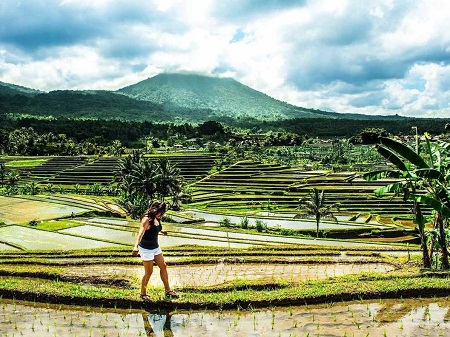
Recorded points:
75,67
377,57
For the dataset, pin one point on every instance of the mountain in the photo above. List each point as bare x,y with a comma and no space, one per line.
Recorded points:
177,98
220,96
97,104
12,89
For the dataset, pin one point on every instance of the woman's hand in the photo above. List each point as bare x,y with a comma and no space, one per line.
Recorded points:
135,252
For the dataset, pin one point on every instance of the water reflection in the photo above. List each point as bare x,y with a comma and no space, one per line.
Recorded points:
157,324
395,317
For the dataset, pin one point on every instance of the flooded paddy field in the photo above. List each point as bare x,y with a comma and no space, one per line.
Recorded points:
21,211
400,317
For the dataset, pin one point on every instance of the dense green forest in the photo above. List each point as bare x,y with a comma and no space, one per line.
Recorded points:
131,134
318,127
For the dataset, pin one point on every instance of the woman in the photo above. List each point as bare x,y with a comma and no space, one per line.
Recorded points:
148,247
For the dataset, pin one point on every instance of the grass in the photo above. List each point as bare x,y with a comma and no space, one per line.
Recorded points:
240,293
25,163
38,276
55,225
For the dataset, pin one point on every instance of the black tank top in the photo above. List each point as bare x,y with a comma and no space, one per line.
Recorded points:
150,237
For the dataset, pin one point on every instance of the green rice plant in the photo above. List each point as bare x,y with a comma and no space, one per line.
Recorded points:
25,163
260,226
225,222
244,222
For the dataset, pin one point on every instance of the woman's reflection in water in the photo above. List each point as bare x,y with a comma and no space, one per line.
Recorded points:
157,324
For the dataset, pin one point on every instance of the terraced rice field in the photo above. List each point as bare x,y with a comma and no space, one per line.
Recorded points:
102,170
105,266
22,210
83,170
255,187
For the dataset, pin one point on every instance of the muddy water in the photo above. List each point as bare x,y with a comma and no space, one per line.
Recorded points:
213,274
410,317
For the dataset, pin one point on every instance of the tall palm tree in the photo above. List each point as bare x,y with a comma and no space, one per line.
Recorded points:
140,180
315,207
144,177
168,179
134,183
116,148
124,167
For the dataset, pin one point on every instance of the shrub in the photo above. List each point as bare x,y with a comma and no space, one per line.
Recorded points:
244,222
225,222
260,226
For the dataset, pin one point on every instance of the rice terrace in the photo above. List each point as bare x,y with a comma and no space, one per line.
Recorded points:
243,260
224,168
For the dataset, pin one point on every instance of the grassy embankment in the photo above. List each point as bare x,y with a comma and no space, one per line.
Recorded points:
50,277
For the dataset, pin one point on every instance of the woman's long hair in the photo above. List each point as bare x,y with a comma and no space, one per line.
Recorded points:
155,208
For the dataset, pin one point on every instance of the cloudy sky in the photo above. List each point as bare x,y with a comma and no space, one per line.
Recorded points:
361,56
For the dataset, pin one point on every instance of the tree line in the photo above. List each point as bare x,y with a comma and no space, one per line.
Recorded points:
67,136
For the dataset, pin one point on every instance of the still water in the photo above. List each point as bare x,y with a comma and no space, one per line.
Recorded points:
400,317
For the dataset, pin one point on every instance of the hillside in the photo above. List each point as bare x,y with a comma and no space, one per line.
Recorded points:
221,96
82,104
177,98
12,89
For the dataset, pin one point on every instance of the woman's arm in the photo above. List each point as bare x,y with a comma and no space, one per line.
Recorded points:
144,226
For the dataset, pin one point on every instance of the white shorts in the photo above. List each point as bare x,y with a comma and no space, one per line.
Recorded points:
149,254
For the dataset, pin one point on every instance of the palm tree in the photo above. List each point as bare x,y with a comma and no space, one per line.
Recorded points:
126,165
116,148
168,179
140,179
135,178
144,177
315,207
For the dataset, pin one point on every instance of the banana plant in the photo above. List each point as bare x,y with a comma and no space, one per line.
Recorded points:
421,179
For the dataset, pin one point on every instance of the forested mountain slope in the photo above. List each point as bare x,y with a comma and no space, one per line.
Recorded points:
176,98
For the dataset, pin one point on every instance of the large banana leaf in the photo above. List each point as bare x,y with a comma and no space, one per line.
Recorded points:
397,187
420,219
437,205
404,151
375,175
393,158
429,151
430,173
436,155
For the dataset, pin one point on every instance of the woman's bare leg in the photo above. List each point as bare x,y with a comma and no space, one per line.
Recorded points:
148,267
159,259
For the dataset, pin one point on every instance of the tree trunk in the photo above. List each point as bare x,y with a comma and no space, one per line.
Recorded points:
442,240
430,247
420,222
426,257
317,226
